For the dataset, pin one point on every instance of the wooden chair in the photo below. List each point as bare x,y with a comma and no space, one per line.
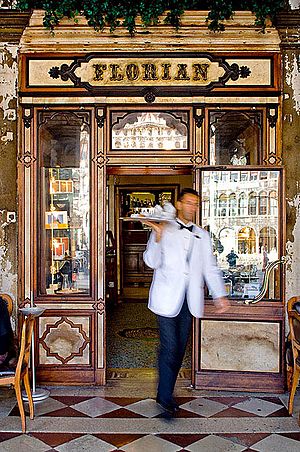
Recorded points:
293,309
9,301
15,377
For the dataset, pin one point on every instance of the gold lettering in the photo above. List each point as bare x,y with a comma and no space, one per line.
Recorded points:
115,76
99,70
182,72
149,71
132,71
200,71
166,71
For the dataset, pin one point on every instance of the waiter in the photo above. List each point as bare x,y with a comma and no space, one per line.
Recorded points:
182,259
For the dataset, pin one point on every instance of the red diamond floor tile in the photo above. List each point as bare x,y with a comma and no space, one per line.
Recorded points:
245,439
56,439
71,400
283,412
182,440
119,440
295,436
65,412
234,412
5,436
272,399
123,401
122,412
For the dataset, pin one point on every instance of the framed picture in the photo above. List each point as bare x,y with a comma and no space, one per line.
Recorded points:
59,246
56,219
61,186
58,250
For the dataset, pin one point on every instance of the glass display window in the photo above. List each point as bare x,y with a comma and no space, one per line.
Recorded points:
150,131
64,226
235,137
243,221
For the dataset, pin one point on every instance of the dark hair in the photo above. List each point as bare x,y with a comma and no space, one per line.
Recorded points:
187,191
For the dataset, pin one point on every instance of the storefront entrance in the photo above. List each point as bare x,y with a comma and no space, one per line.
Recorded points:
132,335
113,129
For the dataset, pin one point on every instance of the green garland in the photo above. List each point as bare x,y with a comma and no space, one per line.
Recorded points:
116,13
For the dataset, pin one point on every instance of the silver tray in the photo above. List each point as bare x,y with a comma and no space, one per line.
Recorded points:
145,218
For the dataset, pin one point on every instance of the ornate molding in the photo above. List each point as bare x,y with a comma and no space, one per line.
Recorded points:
100,160
288,26
12,25
100,117
272,117
149,95
198,118
26,159
75,326
137,84
27,118
99,306
273,159
198,160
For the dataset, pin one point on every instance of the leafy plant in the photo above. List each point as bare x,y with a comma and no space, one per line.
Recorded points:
115,13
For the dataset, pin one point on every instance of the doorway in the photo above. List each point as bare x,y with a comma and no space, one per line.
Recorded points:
132,334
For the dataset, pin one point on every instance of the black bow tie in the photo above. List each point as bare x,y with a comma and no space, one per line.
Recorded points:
189,228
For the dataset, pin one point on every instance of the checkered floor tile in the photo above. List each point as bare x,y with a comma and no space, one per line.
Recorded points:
94,423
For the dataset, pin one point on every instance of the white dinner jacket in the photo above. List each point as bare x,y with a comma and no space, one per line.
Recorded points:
170,283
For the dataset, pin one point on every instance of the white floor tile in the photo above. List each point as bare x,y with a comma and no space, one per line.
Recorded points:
95,407
46,406
258,406
146,407
214,443
23,443
204,407
151,443
87,443
277,443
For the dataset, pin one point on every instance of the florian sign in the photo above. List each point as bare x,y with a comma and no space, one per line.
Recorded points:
148,72
165,74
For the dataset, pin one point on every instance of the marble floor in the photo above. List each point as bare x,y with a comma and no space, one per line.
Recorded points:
123,416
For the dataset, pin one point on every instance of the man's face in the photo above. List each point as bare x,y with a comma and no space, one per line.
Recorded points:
187,207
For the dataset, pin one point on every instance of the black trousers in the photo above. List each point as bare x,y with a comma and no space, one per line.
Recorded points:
174,333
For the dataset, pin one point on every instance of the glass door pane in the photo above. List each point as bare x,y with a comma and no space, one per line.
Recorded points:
64,253
240,210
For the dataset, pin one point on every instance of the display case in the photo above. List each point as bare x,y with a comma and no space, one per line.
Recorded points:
64,262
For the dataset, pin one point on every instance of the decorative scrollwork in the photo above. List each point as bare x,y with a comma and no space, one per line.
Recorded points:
273,159
198,120
272,117
236,71
100,160
149,96
67,332
198,159
27,159
99,306
27,118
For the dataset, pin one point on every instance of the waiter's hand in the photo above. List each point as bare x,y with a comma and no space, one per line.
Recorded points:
222,305
156,227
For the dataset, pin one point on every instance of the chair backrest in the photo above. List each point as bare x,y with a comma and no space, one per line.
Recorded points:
9,302
26,337
293,309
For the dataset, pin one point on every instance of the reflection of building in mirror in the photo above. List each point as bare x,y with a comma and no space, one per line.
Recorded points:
235,137
150,130
240,210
